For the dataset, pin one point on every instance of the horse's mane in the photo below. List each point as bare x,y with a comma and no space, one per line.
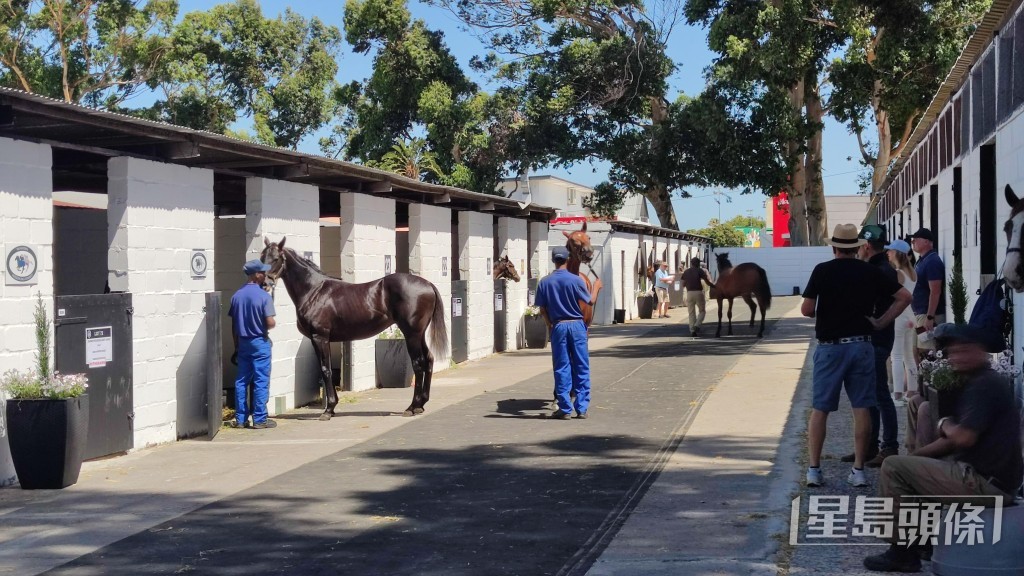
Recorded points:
307,263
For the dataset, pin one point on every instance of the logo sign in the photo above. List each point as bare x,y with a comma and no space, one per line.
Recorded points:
444,265
99,346
22,265
490,267
308,256
387,264
456,307
198,263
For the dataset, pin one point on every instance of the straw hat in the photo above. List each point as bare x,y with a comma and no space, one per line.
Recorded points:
846,236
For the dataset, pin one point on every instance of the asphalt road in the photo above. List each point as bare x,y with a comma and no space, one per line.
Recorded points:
486,486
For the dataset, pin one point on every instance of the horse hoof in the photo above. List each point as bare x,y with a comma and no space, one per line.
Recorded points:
417,411
325,417
407,413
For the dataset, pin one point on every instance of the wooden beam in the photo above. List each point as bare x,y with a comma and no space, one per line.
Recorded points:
445,198
376,187
486,207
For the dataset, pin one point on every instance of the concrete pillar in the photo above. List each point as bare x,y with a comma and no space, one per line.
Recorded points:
539,256
26,218
277,209
367,242
430,252
330,263
476,248
512,243
158,214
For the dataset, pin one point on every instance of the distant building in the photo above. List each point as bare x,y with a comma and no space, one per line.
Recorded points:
568,197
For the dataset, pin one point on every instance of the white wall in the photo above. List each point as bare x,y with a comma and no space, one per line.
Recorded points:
80,250
367,237
512,243
540,257
430,241
26,212
279,209
157,214
786,267
476,243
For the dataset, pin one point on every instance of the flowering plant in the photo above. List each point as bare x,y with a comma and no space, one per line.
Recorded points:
936,371
40,382
1003,364
643,293
392,333
531,311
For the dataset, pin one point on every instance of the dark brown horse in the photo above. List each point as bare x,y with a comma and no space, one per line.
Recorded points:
332,310
1013,267
747,281
580,252
504,268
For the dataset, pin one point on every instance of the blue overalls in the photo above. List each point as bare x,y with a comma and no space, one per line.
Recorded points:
559,294
250,307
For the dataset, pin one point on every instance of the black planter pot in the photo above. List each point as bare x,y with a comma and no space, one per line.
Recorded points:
535,330
394,367
47,439
619,316
943,401
645,306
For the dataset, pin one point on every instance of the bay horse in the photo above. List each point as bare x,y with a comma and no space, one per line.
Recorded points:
748,281
1013,267
581,252
332,310
504,268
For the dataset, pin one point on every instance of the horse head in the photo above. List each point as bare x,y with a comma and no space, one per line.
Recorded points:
578,244
1013,267
723,261
274,255
504,268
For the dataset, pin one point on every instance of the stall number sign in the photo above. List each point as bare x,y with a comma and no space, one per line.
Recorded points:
456,307
199,263
530,297
499,303
444,265
99,346
387,264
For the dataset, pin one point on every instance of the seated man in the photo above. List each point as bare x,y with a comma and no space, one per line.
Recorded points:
977,452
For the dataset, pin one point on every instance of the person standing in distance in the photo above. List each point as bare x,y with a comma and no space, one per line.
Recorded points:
693,280
929,303
558,297
252,316
662,280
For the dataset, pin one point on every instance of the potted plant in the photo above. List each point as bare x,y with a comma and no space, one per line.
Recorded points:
644,303
958,291
535,329
393,364
47,417
943,385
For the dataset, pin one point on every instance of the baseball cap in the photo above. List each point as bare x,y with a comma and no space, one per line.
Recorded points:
872,233
253,266
559,254
949,333
924,234
899,246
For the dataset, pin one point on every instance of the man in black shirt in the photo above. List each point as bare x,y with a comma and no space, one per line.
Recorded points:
978,452
841,296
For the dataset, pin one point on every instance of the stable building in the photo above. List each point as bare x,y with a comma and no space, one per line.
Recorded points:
141,228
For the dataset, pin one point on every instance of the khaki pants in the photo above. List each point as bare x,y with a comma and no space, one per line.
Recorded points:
695,305
919,321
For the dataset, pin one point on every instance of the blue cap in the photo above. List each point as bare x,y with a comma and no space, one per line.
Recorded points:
253,266
559,254
899,246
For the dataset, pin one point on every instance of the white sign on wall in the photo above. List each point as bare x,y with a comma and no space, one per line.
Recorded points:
499,303
456,307
99,346
198,263
21,264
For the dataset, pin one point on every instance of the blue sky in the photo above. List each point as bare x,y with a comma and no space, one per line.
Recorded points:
687,47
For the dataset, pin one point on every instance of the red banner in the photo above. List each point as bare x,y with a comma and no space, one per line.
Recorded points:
780,220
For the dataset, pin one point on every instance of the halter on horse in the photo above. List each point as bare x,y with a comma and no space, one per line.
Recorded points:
504,268
332,310
580,251
749,281
1013,267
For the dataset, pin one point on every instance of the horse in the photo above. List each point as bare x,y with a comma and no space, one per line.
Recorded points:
1013,267
580,252
504,268
332,310
748,281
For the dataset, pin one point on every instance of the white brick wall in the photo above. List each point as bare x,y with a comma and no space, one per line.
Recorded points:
278,209
430,241
367,236
512,243
476,242
625,280
157,214
539,255
26,212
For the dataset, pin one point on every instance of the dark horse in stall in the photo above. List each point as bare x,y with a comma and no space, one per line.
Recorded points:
332,310
504,268
581,252
748,281
1013,267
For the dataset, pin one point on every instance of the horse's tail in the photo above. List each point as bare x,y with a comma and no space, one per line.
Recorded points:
764,289
438,330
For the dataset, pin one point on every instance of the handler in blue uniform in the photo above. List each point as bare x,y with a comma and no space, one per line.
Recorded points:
252,316
558,297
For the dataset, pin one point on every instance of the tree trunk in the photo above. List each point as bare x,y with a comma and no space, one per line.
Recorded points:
659,197
817,216
798,177
657,193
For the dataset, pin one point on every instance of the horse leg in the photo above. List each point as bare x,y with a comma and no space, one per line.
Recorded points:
422,365
753,308
322,347
760,332
718,333
730,316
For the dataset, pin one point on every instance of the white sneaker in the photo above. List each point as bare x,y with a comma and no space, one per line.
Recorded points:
857,479
814,477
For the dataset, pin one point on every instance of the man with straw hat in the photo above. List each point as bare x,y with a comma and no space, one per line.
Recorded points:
840,296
